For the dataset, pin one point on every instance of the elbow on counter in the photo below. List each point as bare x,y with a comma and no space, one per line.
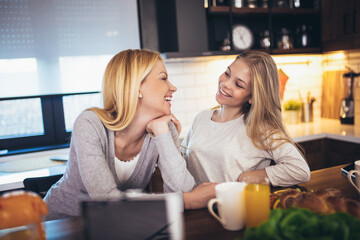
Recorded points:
303,175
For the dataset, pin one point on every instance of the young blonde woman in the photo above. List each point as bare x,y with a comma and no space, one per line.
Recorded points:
116,147
246,133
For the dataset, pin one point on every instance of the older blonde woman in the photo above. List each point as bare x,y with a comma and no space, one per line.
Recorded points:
116,147
246,133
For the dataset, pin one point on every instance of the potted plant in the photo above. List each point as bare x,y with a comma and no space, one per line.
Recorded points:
292,111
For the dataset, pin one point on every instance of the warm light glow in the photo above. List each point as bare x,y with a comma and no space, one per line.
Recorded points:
337,55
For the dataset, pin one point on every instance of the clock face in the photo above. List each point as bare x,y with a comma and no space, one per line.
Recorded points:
242,37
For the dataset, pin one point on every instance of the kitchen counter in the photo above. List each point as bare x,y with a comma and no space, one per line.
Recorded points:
324,128
301,132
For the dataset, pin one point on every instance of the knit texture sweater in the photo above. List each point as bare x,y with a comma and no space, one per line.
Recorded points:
91,173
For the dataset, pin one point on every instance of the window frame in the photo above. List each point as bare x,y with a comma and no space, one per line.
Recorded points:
55,135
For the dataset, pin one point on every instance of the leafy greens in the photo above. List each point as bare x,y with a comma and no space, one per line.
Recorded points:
303,224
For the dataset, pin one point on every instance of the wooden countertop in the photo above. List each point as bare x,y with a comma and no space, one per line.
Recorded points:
199,224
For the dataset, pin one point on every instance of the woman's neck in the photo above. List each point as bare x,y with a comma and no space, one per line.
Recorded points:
225,114
135,131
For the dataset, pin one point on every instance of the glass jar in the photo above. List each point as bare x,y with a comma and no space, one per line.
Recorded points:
285,40
265,39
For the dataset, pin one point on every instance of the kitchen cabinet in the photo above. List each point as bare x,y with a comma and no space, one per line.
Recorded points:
314,152
273,19
173,26
324,153
340,24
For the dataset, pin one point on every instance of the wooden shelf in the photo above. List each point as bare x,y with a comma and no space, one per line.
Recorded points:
297,50
295,11
246,10
173,55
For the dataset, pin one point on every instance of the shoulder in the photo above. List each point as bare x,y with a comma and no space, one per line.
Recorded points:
203,116
88,119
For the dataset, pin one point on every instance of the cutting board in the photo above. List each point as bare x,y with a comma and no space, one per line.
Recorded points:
332,93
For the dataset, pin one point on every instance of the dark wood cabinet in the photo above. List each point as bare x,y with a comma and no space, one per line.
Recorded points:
221,19
173,26
324,153
340,24
314,152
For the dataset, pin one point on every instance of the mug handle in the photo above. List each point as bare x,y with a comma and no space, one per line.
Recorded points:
350,180
210,207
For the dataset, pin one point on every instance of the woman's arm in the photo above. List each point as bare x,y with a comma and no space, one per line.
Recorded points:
290,168
89,140
171,163
200,196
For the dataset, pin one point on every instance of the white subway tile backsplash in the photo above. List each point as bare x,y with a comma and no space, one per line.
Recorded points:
179,94
206,79
174,68
185,80
195,67
196,92
184,105
206,103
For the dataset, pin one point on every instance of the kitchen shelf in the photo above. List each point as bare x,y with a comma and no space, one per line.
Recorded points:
297,50
221,20
245,10
174,55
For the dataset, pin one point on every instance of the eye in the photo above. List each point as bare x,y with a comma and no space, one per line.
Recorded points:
227,74
164,78
238,85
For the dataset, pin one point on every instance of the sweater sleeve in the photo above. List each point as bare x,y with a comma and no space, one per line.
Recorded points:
89,141
171,164
290,169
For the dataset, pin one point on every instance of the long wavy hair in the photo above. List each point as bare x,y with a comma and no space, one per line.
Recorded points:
263,118
121,83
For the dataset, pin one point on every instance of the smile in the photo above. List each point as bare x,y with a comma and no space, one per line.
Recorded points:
223,93
168,99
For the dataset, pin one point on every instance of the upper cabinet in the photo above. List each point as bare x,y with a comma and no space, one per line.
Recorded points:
278,26
176,28
181,28
340,24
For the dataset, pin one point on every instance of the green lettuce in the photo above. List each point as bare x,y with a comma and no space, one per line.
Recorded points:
303,224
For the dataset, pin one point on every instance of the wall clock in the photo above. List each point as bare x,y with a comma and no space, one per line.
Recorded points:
242,37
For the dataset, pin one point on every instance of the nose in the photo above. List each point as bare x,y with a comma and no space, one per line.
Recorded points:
225,83
172,87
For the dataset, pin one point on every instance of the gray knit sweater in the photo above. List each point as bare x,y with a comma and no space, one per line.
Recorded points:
91,172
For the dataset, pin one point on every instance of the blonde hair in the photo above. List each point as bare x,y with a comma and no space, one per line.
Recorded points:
263,117
121,83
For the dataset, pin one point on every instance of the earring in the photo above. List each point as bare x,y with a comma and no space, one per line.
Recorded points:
140,95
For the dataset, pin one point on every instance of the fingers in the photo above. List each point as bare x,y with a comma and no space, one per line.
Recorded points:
177,123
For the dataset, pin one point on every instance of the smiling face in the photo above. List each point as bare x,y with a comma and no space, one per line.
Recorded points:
157,91
234,88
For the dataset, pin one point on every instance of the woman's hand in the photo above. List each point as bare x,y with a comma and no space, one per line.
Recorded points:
259,173
199,196
159,125
176,123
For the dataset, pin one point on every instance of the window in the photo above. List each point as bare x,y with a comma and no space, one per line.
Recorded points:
40,123
53,54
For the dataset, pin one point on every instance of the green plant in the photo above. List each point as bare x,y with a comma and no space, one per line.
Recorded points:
292,105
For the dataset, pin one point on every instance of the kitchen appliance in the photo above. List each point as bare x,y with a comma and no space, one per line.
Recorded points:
347,103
